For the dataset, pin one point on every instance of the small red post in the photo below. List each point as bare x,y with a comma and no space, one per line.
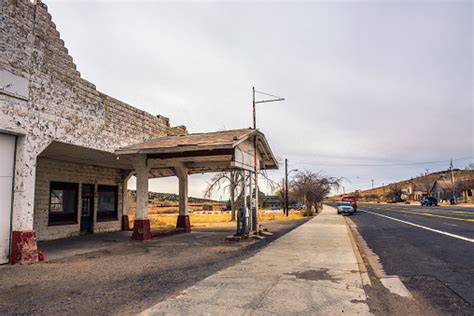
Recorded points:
141,229
24,248
183,222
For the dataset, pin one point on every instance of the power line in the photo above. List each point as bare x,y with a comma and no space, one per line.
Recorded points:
270,95
328,164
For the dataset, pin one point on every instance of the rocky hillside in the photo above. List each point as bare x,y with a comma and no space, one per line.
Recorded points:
169,198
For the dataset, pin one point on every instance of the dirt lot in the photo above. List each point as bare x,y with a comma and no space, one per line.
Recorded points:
126,278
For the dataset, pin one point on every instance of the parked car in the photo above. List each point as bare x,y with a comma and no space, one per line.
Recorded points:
275,208
352,200
345,208
296,207
429,201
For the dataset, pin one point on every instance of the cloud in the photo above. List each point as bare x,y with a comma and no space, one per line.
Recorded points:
363,81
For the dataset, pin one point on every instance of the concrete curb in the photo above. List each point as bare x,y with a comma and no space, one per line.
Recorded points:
362,268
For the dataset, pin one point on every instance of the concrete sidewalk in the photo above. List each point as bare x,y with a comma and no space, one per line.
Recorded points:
311,270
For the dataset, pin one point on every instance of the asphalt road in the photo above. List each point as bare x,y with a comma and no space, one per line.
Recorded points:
430,248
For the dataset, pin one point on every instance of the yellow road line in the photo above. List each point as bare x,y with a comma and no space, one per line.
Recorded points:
455,211
435,210
440,211
429,210
435,215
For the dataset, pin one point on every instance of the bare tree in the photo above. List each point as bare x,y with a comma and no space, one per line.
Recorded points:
231,181
425,183
394,193
312,188
228,181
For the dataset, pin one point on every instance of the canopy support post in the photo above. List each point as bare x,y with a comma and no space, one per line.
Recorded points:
141,225
183,217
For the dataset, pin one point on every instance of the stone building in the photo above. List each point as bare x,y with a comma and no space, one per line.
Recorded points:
60,172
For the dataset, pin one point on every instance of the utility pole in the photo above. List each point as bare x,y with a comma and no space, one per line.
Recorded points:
452,180
286,187
287,208
372,183
283,194
255,166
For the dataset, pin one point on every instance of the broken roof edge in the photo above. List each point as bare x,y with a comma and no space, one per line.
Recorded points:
171,142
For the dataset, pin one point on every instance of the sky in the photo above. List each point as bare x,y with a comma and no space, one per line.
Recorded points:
367,84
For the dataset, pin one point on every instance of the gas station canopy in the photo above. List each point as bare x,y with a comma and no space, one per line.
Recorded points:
203,152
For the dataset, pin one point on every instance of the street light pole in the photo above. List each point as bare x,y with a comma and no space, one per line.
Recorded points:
255,166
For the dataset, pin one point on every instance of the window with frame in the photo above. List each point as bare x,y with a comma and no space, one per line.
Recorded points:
63,197
107,206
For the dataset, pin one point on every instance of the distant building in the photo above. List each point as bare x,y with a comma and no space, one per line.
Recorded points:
272,201
207,207
462,190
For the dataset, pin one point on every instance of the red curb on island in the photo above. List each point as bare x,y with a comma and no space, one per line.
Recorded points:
141,229
183,223
24,247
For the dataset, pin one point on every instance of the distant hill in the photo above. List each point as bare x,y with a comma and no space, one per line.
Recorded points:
422,183
157,197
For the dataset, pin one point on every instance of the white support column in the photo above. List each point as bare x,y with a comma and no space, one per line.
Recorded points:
23,237
183,218
182,174
142,189
141,226
24,189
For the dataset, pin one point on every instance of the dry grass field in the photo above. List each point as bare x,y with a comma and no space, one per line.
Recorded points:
166,219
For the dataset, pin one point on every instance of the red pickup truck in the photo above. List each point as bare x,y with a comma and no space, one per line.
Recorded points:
353,201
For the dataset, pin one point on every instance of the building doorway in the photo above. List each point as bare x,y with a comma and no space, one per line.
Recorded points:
87,210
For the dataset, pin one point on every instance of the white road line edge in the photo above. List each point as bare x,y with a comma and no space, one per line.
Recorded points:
421,226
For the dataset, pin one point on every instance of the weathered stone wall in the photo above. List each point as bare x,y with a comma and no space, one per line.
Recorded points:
48,170
62,105
59,105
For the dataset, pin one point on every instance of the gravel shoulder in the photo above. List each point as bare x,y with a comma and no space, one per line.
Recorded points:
126,278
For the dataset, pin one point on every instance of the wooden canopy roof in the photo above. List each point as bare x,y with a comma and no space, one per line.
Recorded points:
205,152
